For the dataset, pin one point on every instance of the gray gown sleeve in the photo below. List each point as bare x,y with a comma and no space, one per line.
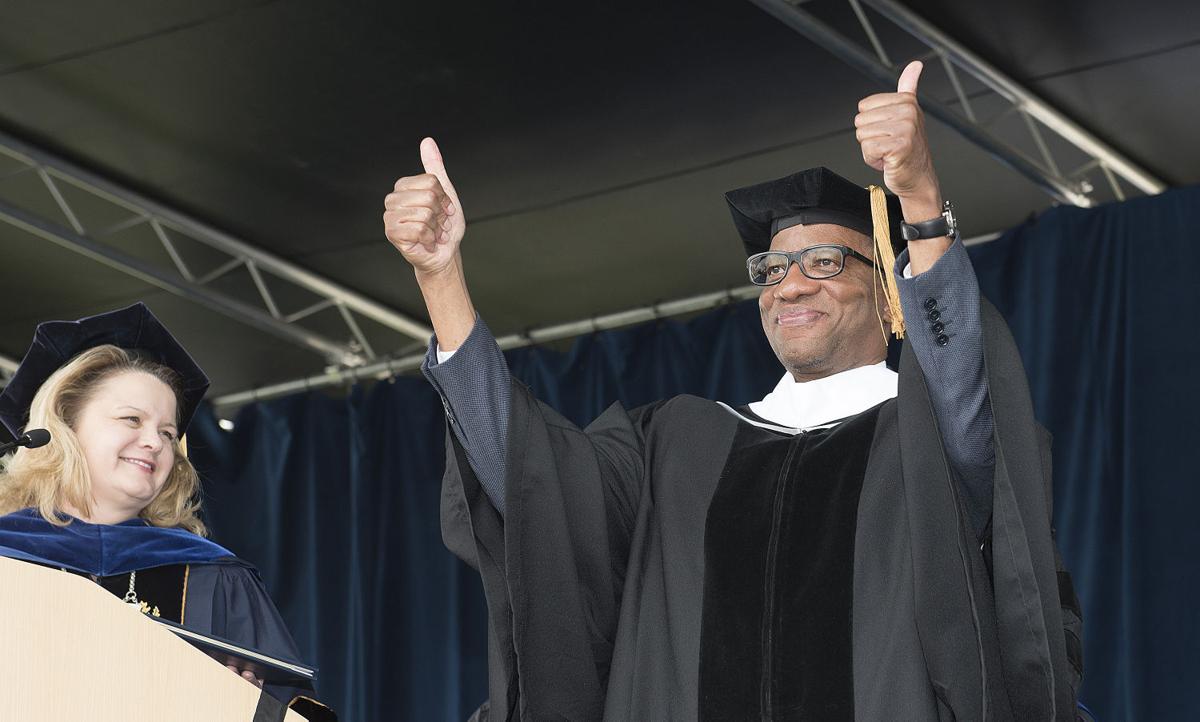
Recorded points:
942,315
476,392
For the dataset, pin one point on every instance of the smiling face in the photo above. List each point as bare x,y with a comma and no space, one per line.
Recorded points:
820,328
127,431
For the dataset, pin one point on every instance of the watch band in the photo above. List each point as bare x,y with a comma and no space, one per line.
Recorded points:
943,225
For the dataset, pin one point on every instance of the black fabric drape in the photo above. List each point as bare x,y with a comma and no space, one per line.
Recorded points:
336,500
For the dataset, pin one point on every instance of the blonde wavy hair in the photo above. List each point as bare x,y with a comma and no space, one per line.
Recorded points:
55,476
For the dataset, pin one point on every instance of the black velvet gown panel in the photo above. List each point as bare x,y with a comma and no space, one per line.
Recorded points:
779,548
162,589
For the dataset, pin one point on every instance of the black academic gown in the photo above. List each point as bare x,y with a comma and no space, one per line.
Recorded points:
179,576
644,570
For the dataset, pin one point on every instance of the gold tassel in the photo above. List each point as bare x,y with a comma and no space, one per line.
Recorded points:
885,258
183,445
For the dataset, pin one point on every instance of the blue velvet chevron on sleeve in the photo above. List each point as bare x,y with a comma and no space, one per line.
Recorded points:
475,388
941,313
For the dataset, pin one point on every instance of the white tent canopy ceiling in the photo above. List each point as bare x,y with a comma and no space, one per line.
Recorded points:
226,164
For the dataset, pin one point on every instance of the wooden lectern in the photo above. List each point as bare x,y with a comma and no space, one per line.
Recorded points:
69,650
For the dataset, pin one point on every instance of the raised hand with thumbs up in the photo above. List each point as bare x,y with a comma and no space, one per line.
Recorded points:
422,217
424,220
890,128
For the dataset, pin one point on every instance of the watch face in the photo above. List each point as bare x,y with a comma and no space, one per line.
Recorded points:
951,221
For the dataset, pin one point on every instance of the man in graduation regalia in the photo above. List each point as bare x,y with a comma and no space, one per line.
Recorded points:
859,545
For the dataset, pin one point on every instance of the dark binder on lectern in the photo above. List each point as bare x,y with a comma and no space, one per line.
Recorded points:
270,670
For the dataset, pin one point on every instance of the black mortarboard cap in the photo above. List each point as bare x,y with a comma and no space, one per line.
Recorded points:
816,195
56,342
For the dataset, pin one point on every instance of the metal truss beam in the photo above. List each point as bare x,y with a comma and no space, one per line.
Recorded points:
391,367
1039,166
171,227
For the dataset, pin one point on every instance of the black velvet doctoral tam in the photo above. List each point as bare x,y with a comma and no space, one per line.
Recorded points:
813,196
133,328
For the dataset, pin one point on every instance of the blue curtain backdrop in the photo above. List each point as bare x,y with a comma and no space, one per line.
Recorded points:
1104,307
336,500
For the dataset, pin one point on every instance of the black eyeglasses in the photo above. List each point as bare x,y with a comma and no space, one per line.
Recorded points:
816,262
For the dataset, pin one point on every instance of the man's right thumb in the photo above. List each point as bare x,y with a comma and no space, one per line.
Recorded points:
431,158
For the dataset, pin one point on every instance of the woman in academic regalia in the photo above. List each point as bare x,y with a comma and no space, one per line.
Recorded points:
113,496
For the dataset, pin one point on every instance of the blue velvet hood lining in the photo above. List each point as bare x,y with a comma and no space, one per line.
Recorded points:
102,549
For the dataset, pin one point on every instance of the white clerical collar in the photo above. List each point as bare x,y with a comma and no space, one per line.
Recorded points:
802,405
